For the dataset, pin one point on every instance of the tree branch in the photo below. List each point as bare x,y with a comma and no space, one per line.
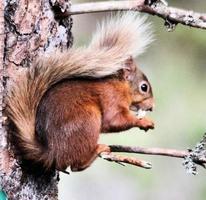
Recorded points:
150,151
171,15
191,157
124,159
140,150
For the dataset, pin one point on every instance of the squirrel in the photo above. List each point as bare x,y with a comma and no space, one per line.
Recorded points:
60,105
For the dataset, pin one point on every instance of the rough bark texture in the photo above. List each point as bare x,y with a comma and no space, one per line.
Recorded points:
28,29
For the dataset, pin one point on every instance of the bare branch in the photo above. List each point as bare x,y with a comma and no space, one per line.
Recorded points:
196,156
150,151
171,15
124,159
120,159
105,6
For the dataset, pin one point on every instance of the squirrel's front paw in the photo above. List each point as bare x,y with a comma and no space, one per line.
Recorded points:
145,124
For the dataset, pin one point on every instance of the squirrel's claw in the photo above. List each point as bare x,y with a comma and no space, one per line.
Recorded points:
146,124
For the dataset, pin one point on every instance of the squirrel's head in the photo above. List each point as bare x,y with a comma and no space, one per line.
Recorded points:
141,90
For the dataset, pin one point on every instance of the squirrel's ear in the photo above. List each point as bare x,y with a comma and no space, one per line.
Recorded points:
129,69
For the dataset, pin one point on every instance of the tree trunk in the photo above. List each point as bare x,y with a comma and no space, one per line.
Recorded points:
28,29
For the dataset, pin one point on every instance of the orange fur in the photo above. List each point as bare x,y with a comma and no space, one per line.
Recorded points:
73,113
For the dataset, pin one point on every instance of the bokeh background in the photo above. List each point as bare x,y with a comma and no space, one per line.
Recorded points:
176,66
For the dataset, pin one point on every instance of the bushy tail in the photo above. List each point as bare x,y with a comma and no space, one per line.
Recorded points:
114,41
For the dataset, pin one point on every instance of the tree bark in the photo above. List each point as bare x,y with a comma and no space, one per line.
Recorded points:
28,29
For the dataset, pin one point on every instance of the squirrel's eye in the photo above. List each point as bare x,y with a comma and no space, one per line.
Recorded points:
144,87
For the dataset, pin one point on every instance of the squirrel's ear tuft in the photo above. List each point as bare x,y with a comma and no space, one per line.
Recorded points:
124,34
128,72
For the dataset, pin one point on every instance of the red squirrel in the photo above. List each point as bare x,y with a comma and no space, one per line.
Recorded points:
61,104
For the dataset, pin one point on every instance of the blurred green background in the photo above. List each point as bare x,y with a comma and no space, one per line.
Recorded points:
176,66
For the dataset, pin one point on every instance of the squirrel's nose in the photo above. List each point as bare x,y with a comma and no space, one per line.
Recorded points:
150,109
